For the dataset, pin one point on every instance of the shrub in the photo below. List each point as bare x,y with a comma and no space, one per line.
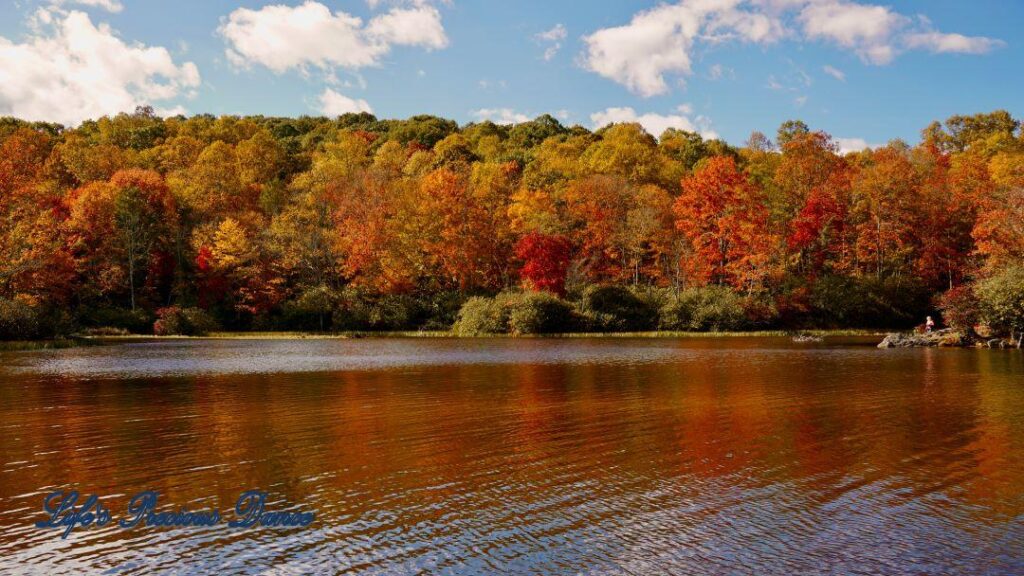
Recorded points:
838,301
18,321
355,310
135,321
711,308
760,313
960,308
894,302
864,302
516,313
312,310
1001,299
394,312
481,315
653,298
793,306
351,312
537,313
441,310
175,321
616,309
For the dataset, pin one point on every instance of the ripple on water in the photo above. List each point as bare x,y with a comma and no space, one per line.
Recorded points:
524,456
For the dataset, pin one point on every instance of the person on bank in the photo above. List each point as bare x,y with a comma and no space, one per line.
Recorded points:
929,324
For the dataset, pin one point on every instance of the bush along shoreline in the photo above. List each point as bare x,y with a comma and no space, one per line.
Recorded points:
987,315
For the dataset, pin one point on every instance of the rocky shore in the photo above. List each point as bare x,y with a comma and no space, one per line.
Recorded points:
945,338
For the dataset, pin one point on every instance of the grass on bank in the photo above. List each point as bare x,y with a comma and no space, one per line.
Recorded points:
58,344
293,335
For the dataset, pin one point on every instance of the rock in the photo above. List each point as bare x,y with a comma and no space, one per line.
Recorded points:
944,337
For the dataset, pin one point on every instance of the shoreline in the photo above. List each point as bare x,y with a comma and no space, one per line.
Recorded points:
887,338
448,334
94,340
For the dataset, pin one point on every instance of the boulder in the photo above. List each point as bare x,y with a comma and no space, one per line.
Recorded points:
944,337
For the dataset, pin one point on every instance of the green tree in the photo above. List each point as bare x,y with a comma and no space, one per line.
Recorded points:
1002,301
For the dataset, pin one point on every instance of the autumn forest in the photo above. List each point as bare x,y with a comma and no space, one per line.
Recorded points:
136,223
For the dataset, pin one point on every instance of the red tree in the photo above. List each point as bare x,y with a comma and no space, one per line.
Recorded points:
818,235
545,261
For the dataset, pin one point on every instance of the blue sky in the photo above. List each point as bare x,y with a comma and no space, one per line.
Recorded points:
865,72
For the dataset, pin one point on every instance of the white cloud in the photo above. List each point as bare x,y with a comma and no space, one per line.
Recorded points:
285,37
847,145
835,73
172,111
500,115
657,42
374,4
553,38
485,84
938,43
69,69
717,72
661,41
655,124
335,104
555,34
109,5
799,101
282,37
728,23
876,33
864,28
419,26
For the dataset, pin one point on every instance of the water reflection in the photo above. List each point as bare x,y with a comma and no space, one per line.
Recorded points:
531,456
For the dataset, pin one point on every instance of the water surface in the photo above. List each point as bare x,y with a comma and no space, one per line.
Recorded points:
591,456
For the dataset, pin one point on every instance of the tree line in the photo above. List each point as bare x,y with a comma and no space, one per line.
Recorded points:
360,223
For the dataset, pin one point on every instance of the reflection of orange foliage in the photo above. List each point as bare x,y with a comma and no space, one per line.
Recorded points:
431,441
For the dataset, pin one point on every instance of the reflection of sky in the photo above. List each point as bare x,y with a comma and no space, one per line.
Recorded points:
170,358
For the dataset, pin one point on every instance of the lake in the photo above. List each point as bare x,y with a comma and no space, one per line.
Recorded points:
532,456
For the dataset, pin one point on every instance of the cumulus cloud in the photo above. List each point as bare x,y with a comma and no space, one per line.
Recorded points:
653,123
335,104
500,115
419,26
553,39
660,42
864,28
374,4
69,69
938,43
847,145
877,34
109,5
282,37
835,73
